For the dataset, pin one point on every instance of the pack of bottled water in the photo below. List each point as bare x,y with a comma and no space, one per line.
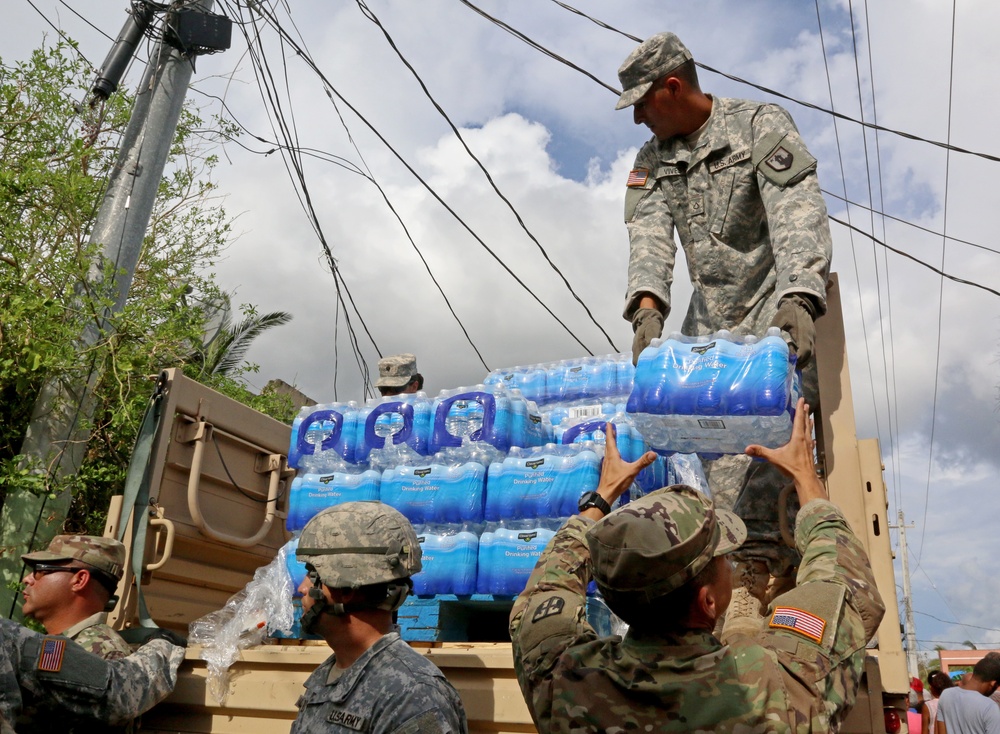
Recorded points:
436,493
544,482
323,435
508,553
499,417
715,396
569,380
312,493
450,559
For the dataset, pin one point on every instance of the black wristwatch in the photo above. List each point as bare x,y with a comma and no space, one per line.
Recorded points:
592,499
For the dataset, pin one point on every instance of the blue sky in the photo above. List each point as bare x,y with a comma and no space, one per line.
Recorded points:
553,142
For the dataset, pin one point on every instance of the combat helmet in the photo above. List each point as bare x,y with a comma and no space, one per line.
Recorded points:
359,544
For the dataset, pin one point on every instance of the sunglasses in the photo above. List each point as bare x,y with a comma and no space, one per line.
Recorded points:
44,569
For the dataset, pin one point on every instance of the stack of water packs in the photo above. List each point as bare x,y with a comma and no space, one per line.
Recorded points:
488,473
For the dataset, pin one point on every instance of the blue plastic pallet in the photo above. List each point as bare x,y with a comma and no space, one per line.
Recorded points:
476,618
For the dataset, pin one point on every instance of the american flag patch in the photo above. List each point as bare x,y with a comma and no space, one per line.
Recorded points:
804,623
51,657
637,177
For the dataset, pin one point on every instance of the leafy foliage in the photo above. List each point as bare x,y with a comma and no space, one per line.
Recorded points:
55,156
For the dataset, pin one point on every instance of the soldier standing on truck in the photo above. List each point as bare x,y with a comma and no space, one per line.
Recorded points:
661,564
735,180
359,557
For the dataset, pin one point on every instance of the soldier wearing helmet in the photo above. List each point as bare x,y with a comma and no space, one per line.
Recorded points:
359,557
661,564
70,587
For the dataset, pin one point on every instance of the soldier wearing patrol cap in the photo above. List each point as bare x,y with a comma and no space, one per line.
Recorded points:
70,587
735,180
56,677
661,564
398,374
359,557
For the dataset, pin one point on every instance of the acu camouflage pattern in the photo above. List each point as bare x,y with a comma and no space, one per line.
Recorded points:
356,544
97,691
681,681
391,688
748,241
396,371
658,543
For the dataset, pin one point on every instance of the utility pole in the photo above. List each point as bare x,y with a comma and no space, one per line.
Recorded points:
56,439
911,634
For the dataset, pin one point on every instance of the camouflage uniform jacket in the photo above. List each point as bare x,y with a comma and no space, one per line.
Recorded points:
780,680
751,233
390,688
94,635
78,683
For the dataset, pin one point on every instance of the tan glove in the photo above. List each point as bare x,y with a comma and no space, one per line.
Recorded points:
647,323
796,316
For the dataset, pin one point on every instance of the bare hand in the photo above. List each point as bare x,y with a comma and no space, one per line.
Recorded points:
795,458
617,474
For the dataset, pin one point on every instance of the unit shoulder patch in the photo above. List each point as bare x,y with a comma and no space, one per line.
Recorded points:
549,608
781,159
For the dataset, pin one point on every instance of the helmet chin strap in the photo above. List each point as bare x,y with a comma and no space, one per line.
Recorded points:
396,595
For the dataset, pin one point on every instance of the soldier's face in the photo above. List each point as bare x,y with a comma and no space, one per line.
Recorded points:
658,110
46,591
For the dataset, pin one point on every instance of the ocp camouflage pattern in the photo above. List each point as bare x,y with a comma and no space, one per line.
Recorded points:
390,688
778,680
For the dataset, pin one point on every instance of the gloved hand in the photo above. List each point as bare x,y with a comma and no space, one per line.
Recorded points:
647,323
142,635
796,316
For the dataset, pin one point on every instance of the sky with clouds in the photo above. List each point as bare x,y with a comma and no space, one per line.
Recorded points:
923,349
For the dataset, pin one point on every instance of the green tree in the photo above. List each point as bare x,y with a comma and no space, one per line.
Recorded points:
55,155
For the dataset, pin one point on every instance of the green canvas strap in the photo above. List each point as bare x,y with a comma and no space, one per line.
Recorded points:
136,496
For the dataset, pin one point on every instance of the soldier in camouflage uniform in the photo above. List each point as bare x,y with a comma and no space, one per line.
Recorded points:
71,586
56,677
360,556
660,563
735,180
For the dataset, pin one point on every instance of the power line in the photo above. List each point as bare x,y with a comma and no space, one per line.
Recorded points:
332,90
371,16
916,259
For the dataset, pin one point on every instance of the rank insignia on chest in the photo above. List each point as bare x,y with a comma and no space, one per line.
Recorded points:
51,657
637,177
780,160
549,608
346,718
796,620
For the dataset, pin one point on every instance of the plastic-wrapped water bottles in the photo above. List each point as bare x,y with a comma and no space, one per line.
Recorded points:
393,421
449,557
569,379
508,553
434,493
312,493
296,569
322,436
499,418
543,482
714,397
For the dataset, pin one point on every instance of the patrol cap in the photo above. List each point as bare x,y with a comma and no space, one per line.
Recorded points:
357,544
658,543
396,371
105,554
652,59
